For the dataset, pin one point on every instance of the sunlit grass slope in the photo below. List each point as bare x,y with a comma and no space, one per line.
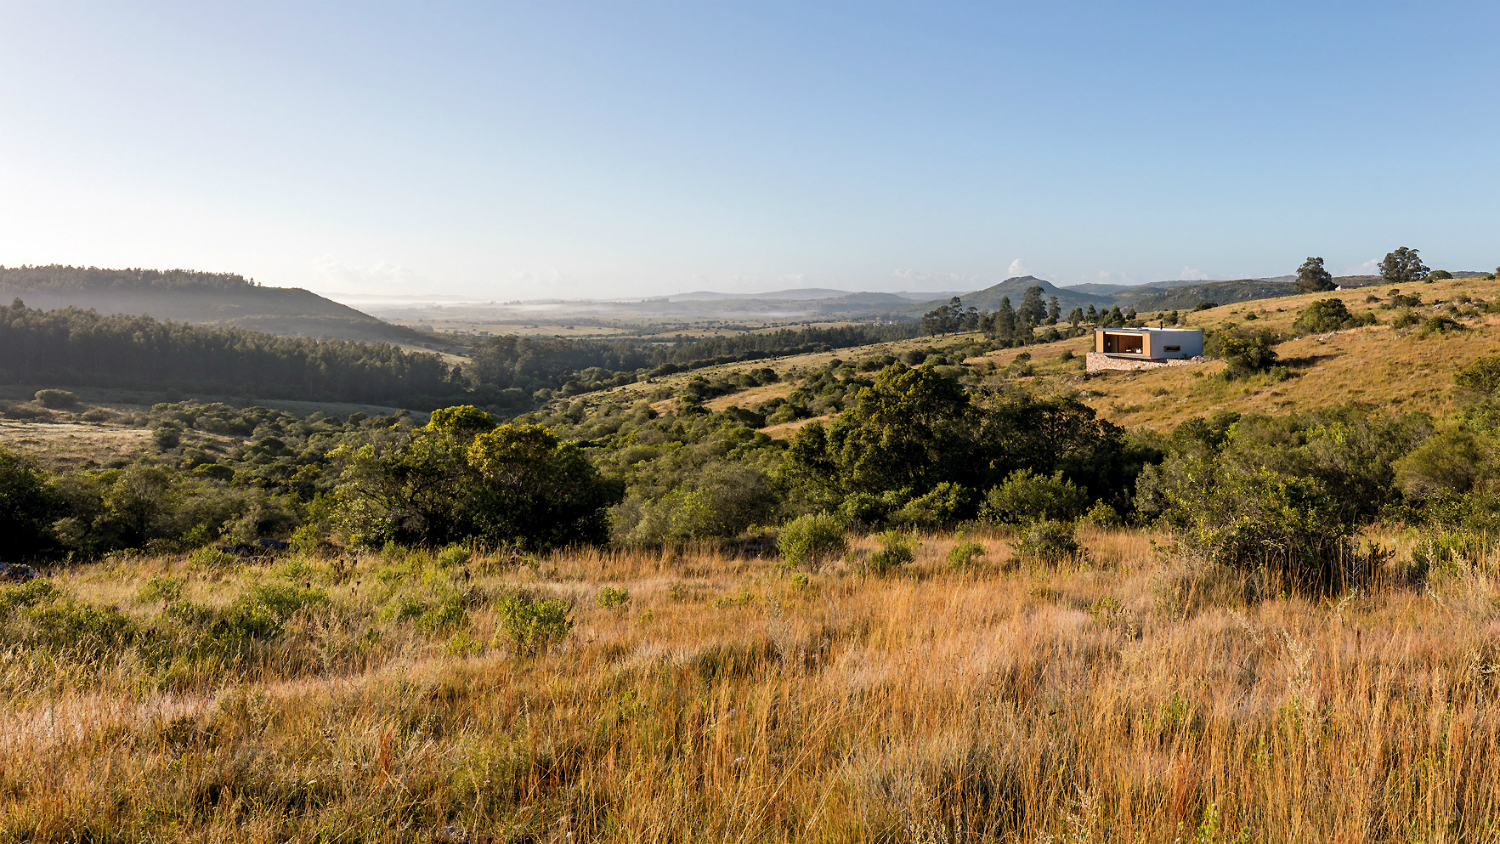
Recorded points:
1121,697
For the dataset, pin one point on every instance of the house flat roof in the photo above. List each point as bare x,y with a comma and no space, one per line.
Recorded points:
1145,329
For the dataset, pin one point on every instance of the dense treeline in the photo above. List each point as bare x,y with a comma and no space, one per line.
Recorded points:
54,278
70,346
528,364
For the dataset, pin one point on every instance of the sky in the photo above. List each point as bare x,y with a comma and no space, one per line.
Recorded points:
514,150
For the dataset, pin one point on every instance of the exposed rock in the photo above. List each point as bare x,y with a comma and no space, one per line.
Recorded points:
17,573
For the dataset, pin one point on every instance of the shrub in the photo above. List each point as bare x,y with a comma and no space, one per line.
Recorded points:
1481,376
1049,541
283,600
1268,523
1324,315
160,587
209,558
1405,319
964,553
1439,325
30,594
894,552
56,399
941,507
71,625
811,539
1101,515
454,555
1025,497
1246,353
533,626
613,598
166,437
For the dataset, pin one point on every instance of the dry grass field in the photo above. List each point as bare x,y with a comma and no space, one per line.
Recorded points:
1124,696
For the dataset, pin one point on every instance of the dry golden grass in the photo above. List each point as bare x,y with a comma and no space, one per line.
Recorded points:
1124,697
61,447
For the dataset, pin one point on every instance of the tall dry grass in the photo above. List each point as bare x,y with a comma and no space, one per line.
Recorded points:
1124,697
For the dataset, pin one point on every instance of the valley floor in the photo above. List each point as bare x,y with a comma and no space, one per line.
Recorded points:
1125,696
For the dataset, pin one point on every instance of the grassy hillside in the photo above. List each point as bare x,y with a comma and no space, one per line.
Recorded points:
385,698
1377,364
212,299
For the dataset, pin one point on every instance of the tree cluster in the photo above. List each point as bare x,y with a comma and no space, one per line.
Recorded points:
57,278
81,347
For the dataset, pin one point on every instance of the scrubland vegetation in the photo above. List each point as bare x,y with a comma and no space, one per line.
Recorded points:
1123,692
962,601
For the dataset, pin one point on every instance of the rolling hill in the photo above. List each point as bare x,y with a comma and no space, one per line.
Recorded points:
223,300
989,298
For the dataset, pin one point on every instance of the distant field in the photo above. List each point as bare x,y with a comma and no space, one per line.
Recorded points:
1376,364
60,447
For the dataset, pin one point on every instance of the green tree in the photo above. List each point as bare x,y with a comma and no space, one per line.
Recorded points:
28,505
1324,315
1005,320
1033,311
462,476
1313,278
911,429
1402,267
1246,353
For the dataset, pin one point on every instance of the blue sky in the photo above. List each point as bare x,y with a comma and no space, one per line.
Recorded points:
520,150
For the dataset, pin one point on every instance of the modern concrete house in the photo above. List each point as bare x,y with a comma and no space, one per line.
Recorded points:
1118,349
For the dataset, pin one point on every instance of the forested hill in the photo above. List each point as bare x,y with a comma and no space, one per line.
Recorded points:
202,298
71,346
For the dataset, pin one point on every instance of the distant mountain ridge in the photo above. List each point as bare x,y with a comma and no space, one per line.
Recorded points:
200,298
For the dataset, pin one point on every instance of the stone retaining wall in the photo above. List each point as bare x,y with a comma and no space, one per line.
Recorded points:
1097,362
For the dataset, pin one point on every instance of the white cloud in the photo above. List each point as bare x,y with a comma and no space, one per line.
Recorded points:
1192,273
1017,268
1370,267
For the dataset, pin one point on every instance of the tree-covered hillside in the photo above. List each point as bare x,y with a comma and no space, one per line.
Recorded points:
75,347
203,298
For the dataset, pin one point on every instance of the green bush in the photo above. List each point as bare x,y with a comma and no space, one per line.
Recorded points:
160,587
56,399
1405,319
1439,325
944,506
533,626
13,598
812,539
1025,497
1048,541
283,600
964,554
1329,315
1101,515
613,598
1261,521
1246,353
894,552
449,613
209,558
1480,376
